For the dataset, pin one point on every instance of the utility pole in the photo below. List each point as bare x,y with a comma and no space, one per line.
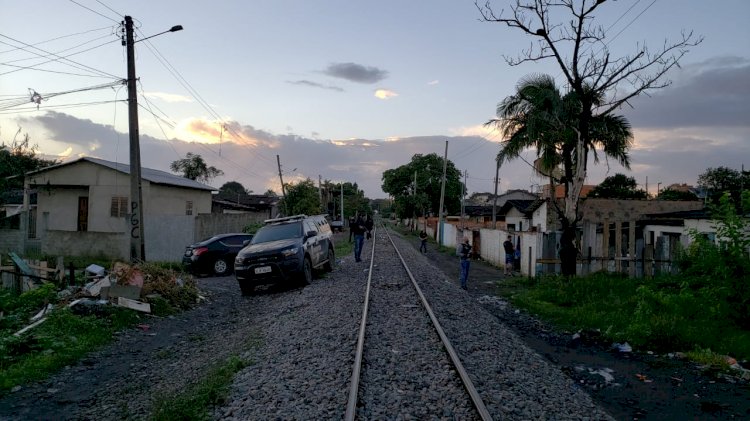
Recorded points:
320,192
414,223
283,189
494,199
137,247
342,201
463,198
442,196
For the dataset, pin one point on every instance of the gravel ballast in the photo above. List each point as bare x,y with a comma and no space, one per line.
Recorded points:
301,345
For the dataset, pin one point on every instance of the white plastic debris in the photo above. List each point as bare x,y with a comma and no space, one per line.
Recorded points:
623,347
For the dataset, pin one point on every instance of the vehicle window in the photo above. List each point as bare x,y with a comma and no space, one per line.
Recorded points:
309,226
235,240
278,232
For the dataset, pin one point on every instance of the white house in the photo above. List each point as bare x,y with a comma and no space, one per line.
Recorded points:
82,209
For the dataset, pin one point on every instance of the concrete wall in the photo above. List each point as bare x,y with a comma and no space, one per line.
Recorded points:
599,210
211,224
167,236
11,240
493,252
85,243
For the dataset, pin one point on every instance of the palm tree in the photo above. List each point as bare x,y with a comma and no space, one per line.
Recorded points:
539,116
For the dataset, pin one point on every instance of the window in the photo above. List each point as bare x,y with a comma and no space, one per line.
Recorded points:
189,207
119,207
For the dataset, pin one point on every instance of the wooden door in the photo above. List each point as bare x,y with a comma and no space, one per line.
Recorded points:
83,213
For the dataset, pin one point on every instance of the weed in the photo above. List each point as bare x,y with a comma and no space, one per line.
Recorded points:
706,357
194,402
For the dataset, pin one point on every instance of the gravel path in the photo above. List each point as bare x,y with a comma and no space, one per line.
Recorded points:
301,342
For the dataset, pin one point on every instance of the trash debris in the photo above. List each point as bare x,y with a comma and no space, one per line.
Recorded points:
143,327
94,288
576,336
133,304
29,327
42,312
643,378
95,270
126,291
622,347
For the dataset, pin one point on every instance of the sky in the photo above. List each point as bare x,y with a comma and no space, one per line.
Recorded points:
344,90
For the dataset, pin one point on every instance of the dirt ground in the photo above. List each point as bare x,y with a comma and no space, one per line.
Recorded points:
629,385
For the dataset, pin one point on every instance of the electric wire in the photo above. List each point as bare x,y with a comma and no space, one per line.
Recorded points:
58,38
94,11
205,147
56,107
58,52
194,93
65,58
110,9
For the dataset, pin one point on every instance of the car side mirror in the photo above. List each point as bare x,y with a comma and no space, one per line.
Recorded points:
310,234
245,243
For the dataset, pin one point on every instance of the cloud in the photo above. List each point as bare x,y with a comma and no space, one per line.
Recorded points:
314,85
354,72
433,82
168,97
714,93
385,94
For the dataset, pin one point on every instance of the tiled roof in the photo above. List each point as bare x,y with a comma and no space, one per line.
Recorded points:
154,176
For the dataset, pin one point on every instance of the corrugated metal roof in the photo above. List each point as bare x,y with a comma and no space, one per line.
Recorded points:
152,175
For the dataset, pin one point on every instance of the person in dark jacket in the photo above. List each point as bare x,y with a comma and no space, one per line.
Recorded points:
358,229
368,226
423,239
464,253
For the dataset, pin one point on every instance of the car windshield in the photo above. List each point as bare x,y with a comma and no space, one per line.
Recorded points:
278,232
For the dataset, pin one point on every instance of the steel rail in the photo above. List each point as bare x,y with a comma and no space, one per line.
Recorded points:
351,405
354,385
468,384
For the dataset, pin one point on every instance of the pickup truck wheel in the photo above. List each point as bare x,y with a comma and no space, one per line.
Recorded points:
328,266
306,275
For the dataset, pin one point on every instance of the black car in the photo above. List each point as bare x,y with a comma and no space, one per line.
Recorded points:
214,255
285,249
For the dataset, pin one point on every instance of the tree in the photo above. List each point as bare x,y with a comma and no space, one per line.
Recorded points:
301,198
233,190
16,159
718,181
600,82
618,186
195,168
399,183
676,195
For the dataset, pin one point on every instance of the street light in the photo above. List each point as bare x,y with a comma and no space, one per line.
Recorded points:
137,247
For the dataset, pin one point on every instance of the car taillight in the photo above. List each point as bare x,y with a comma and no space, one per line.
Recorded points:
199,251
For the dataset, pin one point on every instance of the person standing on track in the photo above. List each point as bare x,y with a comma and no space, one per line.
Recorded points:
509,256
423,239
358,230
369,223
464,252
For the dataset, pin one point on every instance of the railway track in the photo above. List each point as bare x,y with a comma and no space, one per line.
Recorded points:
421,378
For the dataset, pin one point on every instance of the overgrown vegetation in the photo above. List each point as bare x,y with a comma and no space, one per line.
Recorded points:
61,340
703,310
68,334
195,402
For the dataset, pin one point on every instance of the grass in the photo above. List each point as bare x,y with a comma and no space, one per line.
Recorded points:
61,340
651,314
343,247
194,402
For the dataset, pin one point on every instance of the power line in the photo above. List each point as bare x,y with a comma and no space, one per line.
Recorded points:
58,52
62,106
65,58
238,166
194,93
60,37
111,10
94,11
